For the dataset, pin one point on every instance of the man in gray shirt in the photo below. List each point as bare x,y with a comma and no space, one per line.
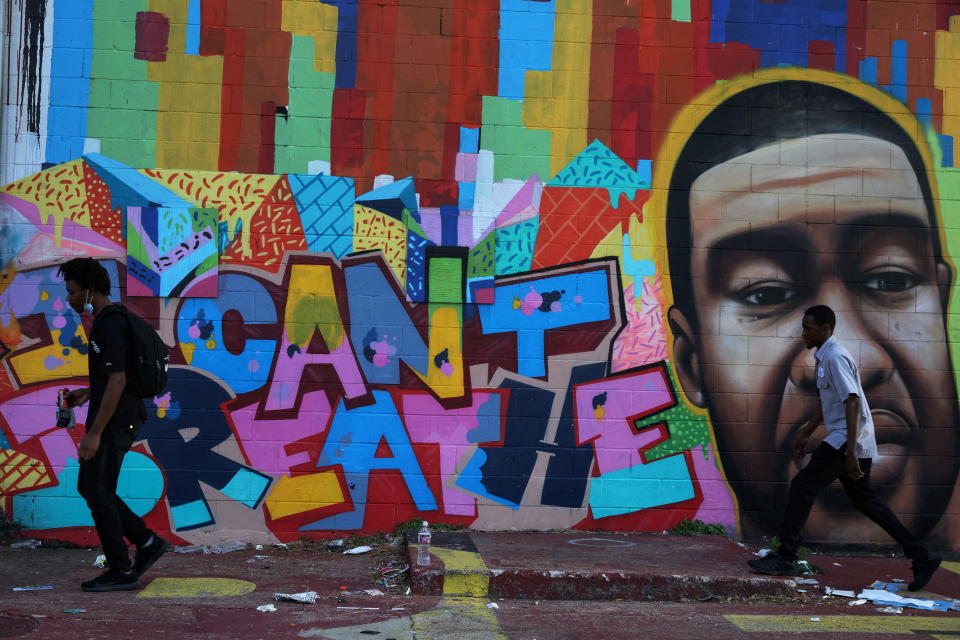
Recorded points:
844,410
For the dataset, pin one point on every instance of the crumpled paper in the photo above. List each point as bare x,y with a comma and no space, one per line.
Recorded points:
306,597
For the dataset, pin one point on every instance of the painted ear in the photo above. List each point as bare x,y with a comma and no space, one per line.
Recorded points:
944,280
686,358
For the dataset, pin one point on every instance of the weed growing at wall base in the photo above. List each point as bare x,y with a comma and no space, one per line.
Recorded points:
698,528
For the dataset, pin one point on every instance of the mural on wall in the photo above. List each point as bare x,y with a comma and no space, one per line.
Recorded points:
516,264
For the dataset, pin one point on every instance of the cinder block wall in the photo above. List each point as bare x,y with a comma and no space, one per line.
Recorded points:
512,265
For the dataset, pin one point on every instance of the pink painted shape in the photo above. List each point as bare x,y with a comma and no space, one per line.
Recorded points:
135,224
523,205
203,287
718,506
466,167
33,415
137,288
71,231
264,441
644,339
431,224
286,375
428,421
464,229
616,443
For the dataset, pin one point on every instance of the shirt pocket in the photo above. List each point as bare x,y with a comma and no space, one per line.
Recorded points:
822,383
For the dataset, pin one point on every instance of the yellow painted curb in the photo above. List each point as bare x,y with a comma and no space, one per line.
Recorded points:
844,624
196,588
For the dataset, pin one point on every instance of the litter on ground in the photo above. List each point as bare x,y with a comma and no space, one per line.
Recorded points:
358,550
32,543
306,597
266,607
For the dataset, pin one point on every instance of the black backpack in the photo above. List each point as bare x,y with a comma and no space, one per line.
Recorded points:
148,358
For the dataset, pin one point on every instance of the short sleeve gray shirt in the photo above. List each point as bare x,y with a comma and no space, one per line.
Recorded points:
837,379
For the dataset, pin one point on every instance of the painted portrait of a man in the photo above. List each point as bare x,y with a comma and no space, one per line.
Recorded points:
782,190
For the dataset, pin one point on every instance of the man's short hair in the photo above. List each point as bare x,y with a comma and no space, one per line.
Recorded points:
822,314
763,115
87,273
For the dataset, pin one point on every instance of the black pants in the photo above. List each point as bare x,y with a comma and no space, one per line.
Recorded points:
826,465
97,483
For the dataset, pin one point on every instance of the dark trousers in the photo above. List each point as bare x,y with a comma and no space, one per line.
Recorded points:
826,465
97,483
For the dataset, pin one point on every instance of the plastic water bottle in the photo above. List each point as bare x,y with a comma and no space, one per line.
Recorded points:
65,416
424,537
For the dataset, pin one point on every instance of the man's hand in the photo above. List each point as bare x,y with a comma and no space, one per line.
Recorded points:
800,445
88,446
853,467
77,397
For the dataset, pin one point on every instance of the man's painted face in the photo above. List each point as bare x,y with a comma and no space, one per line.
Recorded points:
829,219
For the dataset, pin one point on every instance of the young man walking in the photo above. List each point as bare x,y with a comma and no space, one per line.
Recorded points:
846,453
113,418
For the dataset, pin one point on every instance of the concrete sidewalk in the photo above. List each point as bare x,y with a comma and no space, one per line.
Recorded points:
534,577
610,566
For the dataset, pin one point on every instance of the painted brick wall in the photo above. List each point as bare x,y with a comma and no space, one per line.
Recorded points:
520,264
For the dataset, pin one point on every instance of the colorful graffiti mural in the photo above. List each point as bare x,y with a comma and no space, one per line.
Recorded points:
519,264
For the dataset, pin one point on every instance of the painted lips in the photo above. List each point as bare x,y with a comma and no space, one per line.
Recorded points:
893,445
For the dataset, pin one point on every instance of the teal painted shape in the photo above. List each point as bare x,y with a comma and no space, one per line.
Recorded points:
191,515
643,486
129,187
393,198
141,486
515,245
600,168
246,487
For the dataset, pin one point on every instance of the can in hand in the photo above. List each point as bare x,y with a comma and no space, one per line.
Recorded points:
65,416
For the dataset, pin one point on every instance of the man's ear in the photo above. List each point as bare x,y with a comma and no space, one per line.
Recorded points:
944,280
686,357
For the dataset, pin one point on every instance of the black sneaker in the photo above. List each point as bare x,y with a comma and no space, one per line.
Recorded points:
148,554
112,580
923,571
774,565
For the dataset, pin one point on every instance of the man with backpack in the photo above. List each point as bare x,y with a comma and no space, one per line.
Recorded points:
116,412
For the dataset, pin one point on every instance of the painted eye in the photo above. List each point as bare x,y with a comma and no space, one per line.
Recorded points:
768,295
890,281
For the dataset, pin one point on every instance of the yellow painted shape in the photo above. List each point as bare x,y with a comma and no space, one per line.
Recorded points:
844,624
471,614
187,348
466,572
946,77
237,196
558,100
375,230
196,588
318,21
951,566
58,192
445,333
312,303
29,366
188,99
290,496
19,471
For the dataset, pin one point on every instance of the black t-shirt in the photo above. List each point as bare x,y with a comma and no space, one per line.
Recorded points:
110,345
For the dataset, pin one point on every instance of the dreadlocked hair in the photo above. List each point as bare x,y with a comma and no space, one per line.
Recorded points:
86,272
